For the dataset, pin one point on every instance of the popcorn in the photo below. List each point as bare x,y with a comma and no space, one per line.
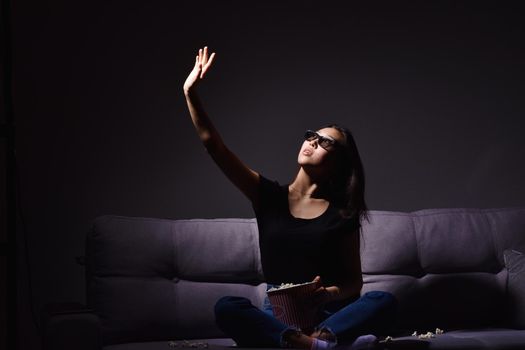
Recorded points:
286,285
428,335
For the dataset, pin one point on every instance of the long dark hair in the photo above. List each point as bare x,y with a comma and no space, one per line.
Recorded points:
346,187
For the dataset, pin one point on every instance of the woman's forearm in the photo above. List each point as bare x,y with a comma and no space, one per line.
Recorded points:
203,125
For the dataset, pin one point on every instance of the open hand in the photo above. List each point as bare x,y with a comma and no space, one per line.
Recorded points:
202,65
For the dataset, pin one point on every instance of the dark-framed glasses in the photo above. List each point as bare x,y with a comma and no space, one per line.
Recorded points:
325,142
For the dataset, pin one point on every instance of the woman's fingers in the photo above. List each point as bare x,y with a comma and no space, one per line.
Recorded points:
204,61
208,64
198,69
204,56
201,58
211,59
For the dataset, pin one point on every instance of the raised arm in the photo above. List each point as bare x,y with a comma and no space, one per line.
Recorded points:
244,178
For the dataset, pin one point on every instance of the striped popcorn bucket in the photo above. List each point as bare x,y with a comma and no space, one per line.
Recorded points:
288,306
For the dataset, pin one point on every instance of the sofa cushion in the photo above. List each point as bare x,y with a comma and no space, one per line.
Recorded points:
480,339
222,250
467,339
447,262
446,301
437,241
225,250
515,264
389,245
455,241
151,279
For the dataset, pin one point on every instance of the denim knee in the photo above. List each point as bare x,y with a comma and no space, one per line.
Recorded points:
247,325
379,295
384,301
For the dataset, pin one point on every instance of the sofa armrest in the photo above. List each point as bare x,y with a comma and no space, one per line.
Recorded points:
70,326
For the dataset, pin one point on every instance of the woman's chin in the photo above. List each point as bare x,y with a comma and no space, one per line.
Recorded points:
301,160
305,161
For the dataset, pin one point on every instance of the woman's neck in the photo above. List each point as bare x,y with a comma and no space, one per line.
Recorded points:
305,185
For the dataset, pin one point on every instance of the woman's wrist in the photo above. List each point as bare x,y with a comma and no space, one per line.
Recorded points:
189,90
186,91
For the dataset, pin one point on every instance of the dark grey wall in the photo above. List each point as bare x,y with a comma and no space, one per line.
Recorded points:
433,92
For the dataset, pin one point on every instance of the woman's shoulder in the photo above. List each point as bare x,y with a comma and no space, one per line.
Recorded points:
268,181
270,191
270,185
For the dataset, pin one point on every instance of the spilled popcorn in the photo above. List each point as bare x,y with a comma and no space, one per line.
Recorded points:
426,335
187,344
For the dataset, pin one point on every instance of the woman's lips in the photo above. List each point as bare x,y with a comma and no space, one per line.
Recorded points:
308,152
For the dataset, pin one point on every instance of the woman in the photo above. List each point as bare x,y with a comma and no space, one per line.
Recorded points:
308,229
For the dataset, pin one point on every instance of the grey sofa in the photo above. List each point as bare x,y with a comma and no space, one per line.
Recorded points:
152,283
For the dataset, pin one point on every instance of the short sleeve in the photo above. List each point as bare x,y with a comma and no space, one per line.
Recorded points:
269,192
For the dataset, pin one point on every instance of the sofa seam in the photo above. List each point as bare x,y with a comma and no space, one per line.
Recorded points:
174,258
417,244
492,238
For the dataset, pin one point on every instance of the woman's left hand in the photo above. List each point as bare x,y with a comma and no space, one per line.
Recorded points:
321,295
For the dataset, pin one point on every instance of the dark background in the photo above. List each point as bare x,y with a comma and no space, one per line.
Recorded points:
432,91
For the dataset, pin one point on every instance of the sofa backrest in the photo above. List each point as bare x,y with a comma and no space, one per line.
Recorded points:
156,279
445,265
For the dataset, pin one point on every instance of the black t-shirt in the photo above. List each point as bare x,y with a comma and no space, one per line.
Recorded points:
295,250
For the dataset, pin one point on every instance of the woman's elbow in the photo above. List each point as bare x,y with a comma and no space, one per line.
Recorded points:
213,145
359,284
356,286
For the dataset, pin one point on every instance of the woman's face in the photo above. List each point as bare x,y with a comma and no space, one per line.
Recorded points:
312,154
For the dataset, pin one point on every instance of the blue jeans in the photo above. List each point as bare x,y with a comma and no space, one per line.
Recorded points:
373,313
